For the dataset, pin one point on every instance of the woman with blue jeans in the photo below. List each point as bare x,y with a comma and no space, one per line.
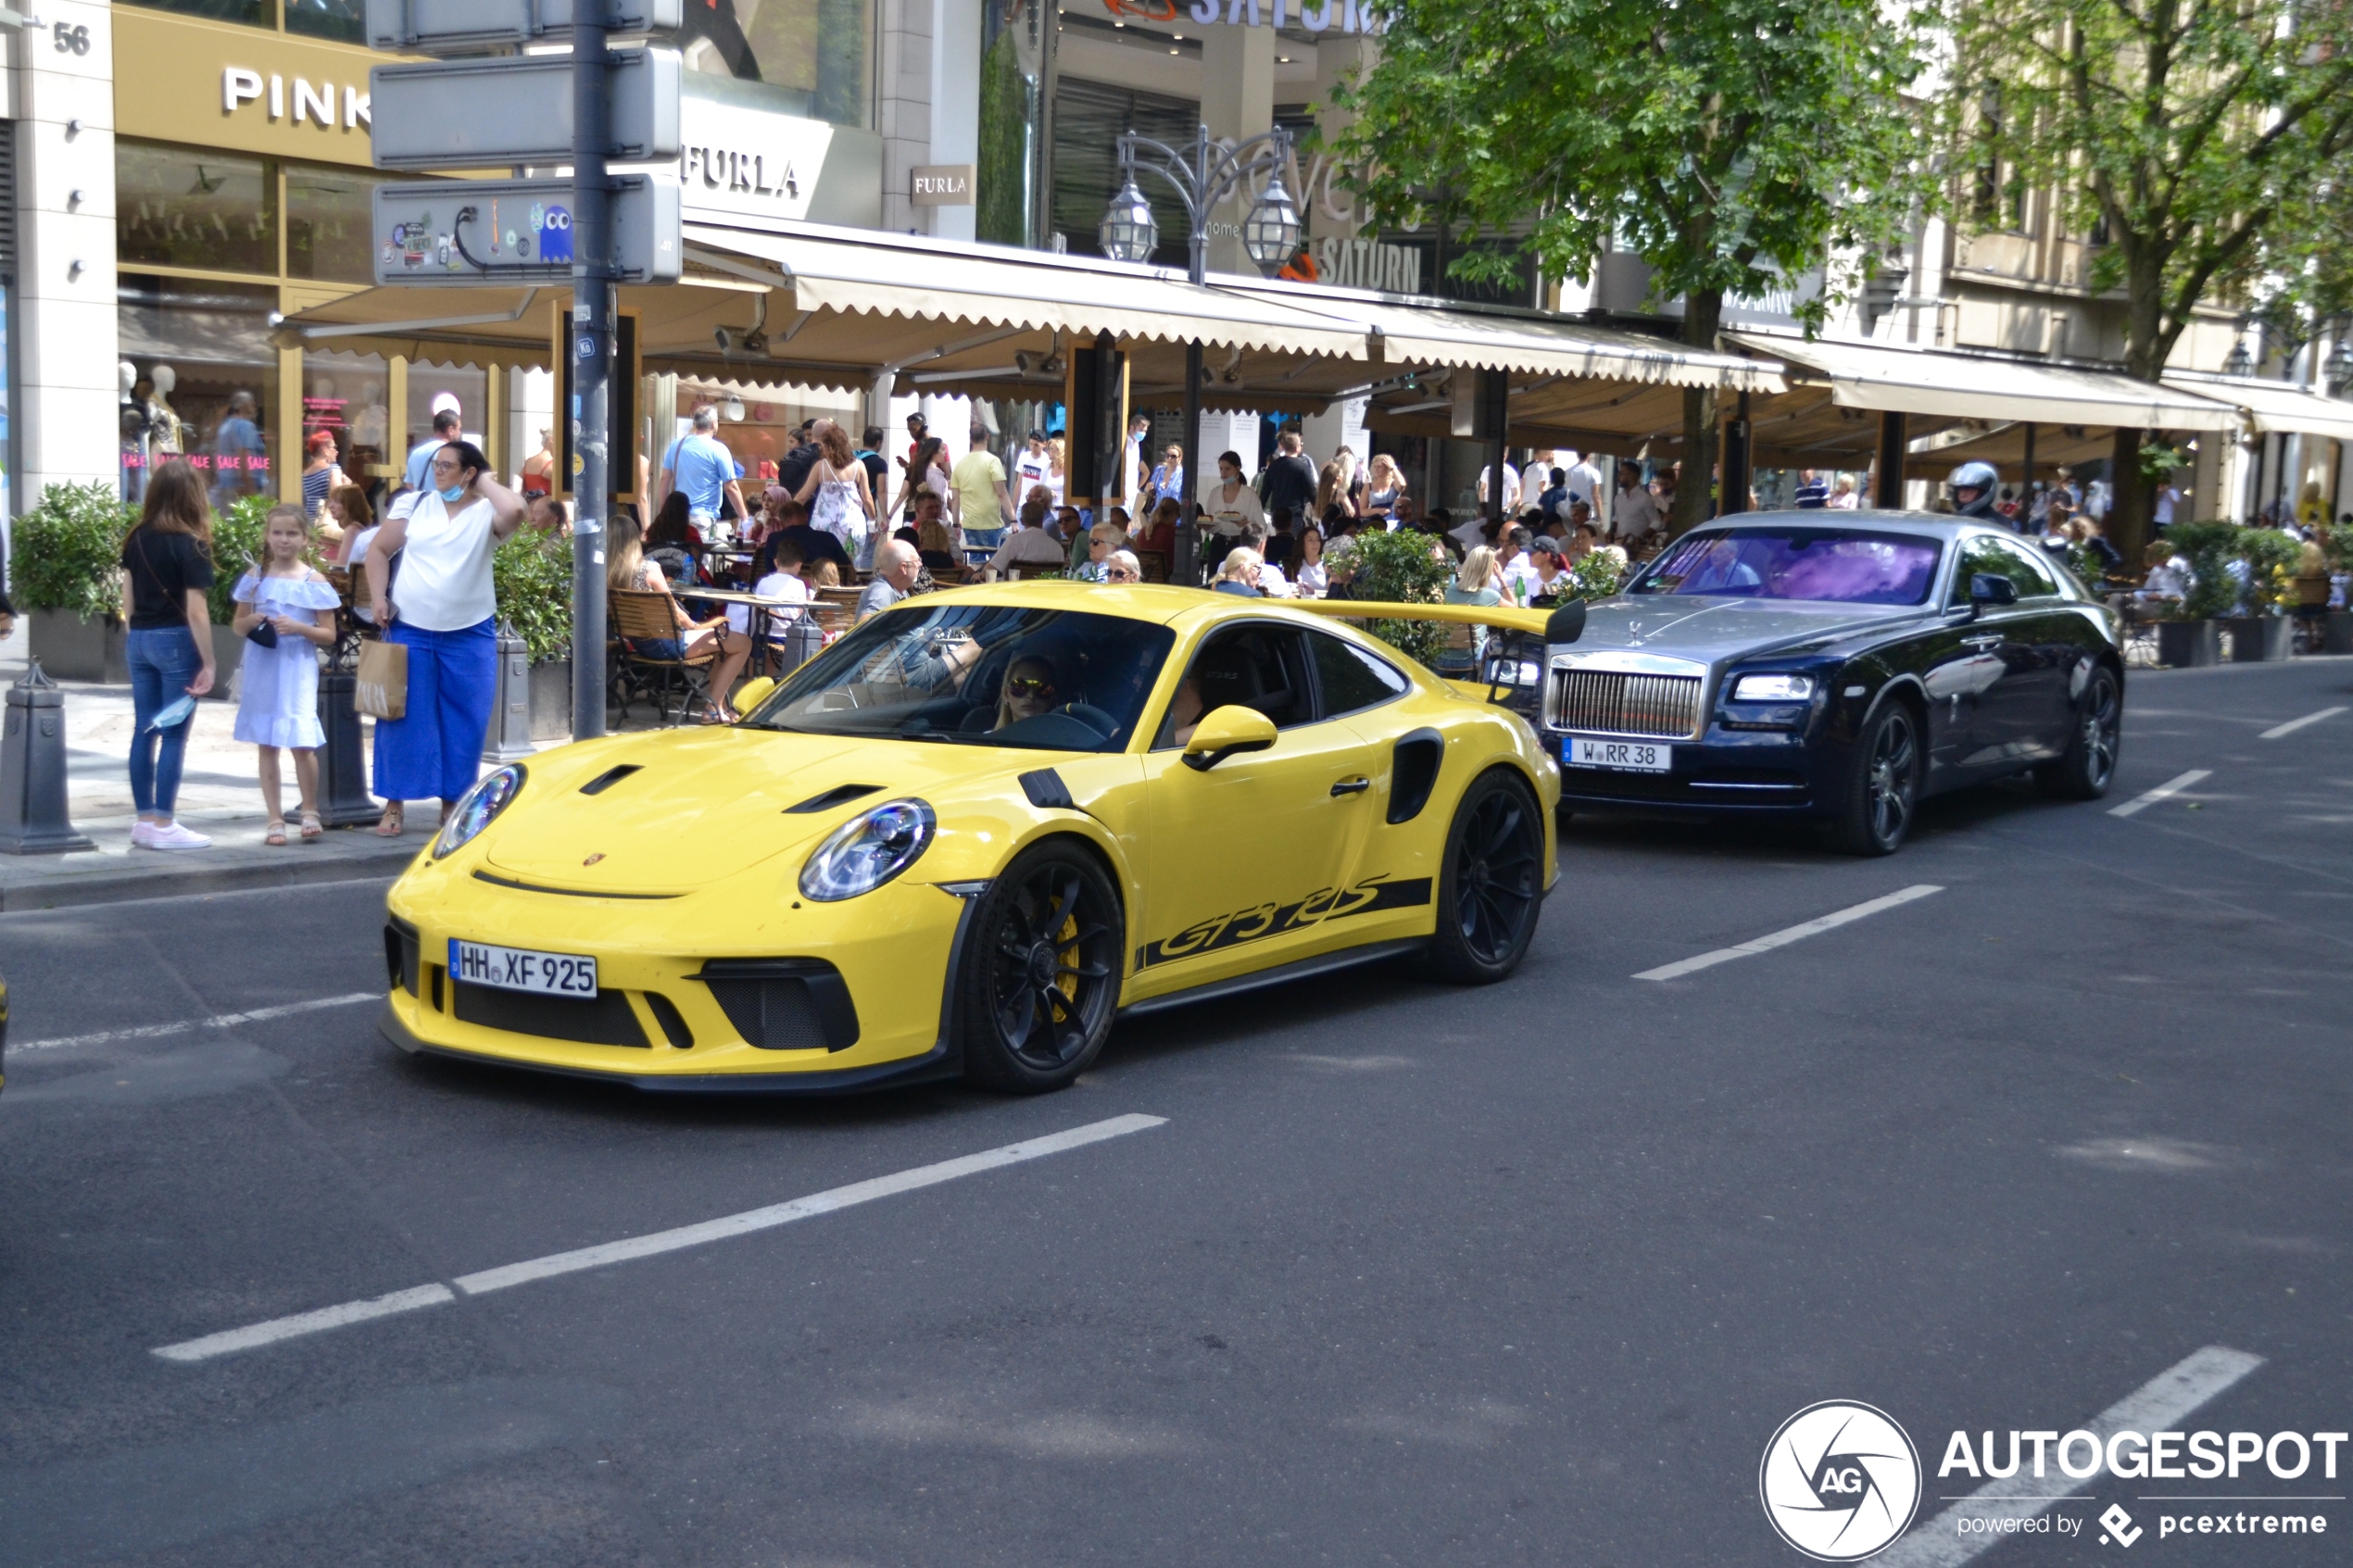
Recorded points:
167,566
447,616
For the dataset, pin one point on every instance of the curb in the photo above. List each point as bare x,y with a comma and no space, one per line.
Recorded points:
78,889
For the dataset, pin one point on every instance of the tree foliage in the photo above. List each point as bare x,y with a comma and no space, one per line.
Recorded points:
1733,144
2184,131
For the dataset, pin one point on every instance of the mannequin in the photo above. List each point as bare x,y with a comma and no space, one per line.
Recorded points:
169,434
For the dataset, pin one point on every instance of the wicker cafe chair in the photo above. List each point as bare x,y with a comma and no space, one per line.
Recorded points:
639,617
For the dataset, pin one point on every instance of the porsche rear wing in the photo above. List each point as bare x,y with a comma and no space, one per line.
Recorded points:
1515,670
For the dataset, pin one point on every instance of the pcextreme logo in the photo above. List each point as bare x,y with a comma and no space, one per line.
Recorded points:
1840,1480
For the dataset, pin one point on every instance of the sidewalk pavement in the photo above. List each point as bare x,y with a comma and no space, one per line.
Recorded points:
220,796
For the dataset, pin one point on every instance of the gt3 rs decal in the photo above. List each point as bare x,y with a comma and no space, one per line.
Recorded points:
1368,897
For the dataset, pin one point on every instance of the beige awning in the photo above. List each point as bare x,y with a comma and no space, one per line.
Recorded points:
857,273
2272,407
1442,335
1983,386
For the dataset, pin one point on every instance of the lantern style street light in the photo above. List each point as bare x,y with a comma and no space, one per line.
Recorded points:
1202,175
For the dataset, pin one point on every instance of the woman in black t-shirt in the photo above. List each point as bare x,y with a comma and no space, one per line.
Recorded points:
167,566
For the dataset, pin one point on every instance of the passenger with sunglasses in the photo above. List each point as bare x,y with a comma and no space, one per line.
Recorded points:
1123,567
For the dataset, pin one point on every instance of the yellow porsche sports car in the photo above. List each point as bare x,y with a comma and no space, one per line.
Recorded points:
967,836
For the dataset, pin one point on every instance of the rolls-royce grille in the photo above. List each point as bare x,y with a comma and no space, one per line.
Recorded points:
1619,704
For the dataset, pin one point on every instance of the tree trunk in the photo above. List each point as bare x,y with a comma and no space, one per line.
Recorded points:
1695,484
2131,500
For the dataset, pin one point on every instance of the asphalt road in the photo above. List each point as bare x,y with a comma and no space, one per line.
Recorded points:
1406,1274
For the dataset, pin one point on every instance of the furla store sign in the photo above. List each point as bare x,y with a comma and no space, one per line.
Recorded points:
743,162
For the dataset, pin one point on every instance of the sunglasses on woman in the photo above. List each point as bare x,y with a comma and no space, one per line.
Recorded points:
1030,685
1119,574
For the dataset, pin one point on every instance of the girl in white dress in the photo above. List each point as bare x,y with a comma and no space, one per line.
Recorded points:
293,609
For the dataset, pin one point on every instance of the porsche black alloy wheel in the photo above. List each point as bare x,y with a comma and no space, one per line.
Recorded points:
1883,790
2082,774
1040,971
1493,885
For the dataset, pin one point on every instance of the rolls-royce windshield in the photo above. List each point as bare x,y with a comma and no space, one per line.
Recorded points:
1836,565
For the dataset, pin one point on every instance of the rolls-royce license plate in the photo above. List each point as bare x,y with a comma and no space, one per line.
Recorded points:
1624,756
512,969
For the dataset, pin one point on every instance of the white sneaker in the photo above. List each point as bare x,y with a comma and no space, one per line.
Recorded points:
141,832
172,835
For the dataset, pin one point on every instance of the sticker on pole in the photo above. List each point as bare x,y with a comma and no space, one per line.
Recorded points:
552,224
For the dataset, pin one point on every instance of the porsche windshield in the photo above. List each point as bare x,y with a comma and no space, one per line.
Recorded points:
1047,680
1836,565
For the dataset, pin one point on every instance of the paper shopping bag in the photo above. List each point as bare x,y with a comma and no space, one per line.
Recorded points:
382,686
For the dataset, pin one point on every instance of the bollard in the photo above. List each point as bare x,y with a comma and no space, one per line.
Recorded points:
33,819
510,736
344,801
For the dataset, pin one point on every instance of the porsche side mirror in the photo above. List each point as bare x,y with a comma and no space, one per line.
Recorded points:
1225,732
1987,588
1568,624
754,692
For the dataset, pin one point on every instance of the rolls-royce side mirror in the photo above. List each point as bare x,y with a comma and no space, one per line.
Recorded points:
1568,624
1987,588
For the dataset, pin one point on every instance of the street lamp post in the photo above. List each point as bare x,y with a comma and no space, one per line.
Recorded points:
1203,176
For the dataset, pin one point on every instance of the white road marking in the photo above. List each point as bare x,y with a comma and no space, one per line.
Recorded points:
1783,938
218,1021
2276,730
2165,791
2154,1406
721,1229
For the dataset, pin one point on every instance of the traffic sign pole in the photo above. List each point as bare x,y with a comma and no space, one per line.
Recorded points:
591,347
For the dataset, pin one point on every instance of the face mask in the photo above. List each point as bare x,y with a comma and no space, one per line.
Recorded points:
452,493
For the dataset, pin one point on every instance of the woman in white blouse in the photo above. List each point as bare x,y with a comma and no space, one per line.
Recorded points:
447,616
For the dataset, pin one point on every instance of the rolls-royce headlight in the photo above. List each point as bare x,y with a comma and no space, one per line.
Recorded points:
1773,688
482,802
868,851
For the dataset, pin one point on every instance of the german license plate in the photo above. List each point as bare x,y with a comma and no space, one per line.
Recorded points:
1624,756
513,969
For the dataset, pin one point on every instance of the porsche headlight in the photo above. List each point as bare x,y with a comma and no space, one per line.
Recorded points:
868,851
482,803
1773,688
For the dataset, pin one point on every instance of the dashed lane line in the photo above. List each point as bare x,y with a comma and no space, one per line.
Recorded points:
2276,730
2155,1405
218,1021
727,1227
1784,937
2165,791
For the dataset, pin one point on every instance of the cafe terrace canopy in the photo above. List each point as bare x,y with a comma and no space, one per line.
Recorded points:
818,306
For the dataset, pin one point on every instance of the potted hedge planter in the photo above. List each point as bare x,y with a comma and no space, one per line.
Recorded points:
2336,631
2257,639
68,578
532,572
237,531
2189,645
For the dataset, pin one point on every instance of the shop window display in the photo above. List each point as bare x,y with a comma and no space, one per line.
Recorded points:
179,207
344,395
253,13
819,52
203,378
327,222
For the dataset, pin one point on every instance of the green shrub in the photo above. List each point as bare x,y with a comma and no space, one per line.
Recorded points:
67,551
237,531
532,576
2210,547
1600,573
2271,554
1401,568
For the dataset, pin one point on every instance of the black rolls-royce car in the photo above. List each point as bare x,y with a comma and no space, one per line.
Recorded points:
1836,665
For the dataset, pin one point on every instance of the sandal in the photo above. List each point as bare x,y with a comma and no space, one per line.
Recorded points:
275,836
391,826
311,826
